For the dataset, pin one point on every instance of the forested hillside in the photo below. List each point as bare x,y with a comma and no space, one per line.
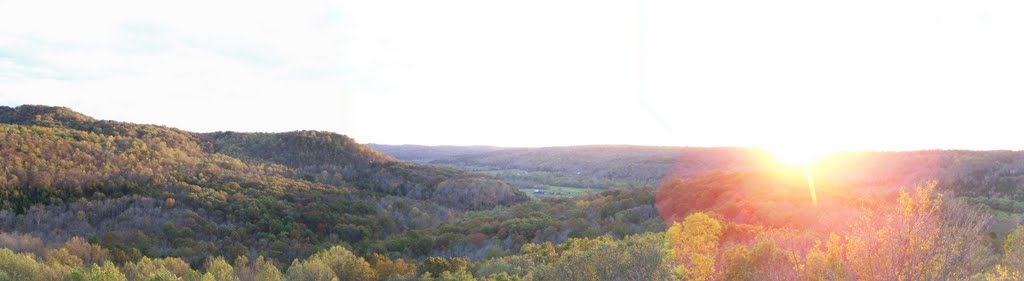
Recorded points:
338,160
157,191
86,199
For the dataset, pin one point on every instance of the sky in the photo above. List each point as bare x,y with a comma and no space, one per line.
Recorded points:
849,75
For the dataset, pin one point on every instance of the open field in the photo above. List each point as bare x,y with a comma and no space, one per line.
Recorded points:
551,191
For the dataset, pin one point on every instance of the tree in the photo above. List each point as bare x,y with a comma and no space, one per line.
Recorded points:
456,276
22,242
346,266
63,257
437,265
1001,273
826,262
106,272
89,253
266,271
542,254
310,270
694,245
764,261
923,237
19,266
243,269
1013,250
640,257
220,270
635,258
192,275
163,275
147,268
386,268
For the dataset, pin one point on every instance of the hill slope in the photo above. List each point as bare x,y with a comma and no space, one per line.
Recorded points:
164,191
338,160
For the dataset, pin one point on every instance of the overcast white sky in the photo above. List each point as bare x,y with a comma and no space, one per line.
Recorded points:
885,74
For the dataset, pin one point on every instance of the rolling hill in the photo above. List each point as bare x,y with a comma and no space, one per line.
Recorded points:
83,197
161,191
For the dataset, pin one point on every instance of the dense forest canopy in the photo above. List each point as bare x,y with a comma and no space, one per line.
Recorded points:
186,194
87,199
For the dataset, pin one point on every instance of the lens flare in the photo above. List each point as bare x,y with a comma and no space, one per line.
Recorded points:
801,156
810,184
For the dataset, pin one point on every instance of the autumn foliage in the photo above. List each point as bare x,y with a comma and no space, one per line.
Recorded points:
85,199
922,235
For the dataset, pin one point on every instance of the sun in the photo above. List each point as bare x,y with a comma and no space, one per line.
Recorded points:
804,156
797,155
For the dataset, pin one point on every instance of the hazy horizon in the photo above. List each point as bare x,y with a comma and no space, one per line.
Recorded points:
541,146
555,146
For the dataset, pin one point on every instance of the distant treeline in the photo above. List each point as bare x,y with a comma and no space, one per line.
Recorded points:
975,173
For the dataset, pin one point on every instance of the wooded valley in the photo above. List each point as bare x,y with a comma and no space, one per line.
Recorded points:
87,199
